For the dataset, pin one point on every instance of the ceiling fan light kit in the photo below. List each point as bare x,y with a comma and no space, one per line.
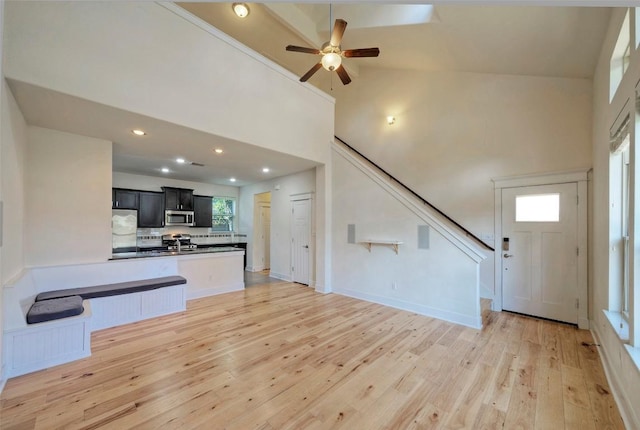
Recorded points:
332,54
331,61
240,9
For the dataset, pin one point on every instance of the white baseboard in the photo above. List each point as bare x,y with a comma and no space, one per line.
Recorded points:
280,276
583,323
625,408
206,292
3,379
255,268
322,289
466,320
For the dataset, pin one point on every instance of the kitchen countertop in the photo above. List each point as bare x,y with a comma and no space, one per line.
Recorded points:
167,253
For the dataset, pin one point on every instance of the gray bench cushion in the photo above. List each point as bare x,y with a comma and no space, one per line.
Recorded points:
113,289
55,309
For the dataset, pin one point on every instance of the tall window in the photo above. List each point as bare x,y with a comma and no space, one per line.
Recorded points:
621,186
619,62
223,214
626,257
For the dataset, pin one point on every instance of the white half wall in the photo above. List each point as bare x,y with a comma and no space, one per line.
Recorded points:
441,281
68,199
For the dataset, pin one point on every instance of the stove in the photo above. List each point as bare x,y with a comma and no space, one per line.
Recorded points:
171,241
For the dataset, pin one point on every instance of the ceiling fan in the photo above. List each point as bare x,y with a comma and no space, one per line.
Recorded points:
332,54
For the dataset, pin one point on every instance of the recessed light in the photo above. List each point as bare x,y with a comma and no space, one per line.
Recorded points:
391,120
265,170
240,9
180,160
138,132
218,151
165,170
232,179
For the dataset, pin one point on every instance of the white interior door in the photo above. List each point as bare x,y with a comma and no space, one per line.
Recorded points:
539,251
300,241
265,222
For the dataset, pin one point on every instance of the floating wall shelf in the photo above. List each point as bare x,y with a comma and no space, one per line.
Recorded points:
392,243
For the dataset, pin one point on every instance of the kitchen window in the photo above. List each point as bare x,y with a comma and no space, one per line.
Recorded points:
223,214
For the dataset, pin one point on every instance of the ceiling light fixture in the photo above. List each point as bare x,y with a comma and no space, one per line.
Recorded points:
265,170
218,151
232,179
391,120
180,160
240,9
138,132
165,170
331,61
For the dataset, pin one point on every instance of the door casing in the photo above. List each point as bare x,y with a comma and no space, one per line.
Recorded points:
580,177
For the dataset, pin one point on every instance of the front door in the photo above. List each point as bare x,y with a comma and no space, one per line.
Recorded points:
539,251
301,237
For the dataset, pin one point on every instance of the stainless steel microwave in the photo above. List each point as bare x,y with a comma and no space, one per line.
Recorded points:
178,218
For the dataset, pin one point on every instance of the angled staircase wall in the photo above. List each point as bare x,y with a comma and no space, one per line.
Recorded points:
434,271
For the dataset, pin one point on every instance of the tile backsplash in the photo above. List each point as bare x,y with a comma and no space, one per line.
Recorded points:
153,237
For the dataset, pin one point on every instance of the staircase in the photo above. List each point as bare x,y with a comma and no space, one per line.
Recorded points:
441,280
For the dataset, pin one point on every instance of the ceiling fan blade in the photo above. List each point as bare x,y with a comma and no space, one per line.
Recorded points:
344,76
310,73
365,52
338,31
303,49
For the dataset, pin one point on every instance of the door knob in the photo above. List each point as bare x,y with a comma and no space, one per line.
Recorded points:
306,246
507,255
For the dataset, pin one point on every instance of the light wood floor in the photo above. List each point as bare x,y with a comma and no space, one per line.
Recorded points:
280,356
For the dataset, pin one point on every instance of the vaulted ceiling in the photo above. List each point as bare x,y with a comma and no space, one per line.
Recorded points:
517,40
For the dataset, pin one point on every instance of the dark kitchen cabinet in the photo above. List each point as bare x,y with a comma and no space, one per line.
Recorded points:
178,199
202,211
151,209
124,199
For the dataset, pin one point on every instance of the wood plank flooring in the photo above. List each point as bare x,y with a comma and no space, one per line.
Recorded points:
280,356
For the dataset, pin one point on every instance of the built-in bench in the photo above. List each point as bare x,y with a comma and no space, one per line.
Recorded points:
38,342
113,289
52,305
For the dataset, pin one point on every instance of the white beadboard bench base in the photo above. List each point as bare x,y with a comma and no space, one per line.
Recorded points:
35,347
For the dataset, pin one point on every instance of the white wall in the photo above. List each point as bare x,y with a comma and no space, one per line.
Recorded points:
68,199
440,281
281,191
144,58
622,373
154,183
3,100
454,132
12,154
